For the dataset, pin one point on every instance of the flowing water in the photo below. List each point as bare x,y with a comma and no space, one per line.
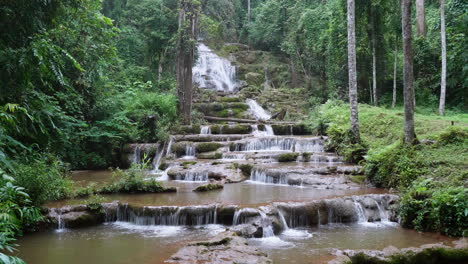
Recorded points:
303,209
214,72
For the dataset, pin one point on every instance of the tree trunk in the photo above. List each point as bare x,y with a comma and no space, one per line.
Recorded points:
185,56
443,75
409,133
374,59
248,11
420,18
353,100
395,74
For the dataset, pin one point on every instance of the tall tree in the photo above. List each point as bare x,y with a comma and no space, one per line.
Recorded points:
420,18
374,56
443,75
395,73
409,134
248,11
188,14
353,100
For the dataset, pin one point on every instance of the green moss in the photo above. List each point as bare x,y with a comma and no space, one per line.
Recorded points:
246,169
288,157
185,130
178,148
306,156
212,155
187,164
426,256
208,187
229,99
207,147
360,179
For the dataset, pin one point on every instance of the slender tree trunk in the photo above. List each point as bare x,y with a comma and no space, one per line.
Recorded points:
395,74
420,18
443,75
248,11
353,96
409,134
374,58
185,56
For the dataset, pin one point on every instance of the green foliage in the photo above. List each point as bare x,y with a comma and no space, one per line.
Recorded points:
44,179
426,207
288,157
133,181
453,135
344,143
16,214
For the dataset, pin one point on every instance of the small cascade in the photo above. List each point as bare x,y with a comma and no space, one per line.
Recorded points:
362,218
169,145
233,156
282,219
243,215
189,152
60,223
281,144
168,215
214,72
269,130
258,175
267,226
195,176
257,111
136,158
164,176
157,158
205,130
383,214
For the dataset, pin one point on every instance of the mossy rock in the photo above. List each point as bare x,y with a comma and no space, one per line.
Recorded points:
207,147
306,156
187,164
186,130
208,187
253,78
230,130
288,157
286,130
230,99
210,155
163,166
246,169
178,148
360,179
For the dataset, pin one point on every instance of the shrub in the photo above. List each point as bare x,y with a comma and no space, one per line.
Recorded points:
343,143
453,135
428,208
44,179
288,157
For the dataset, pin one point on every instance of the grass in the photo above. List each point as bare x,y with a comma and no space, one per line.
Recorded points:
432,177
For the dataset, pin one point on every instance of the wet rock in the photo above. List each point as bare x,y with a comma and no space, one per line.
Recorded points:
209,187
226,214
247,230
226,248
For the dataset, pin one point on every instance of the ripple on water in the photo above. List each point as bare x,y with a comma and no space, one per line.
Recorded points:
272,242
296,234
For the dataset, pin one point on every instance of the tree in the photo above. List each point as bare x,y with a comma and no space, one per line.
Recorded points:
374,57
420,18
409,134
443,75
352,72
188,15
395,73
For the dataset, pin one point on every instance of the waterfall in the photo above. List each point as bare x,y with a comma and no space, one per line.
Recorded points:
360,211
267,227
282,220
258,133
281,144
383,214
193,176
232,156
169,146
168,215
205,130
242,215
189,152
157,158
164,176
269,130
257,111
213,72
136,155
258,175
61,224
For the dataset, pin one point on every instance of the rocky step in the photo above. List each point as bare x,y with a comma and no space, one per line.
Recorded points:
210,138
276,216
241,128
280,143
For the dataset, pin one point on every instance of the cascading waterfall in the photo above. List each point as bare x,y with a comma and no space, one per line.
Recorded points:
233,156
281,144
267,227
213,72
362,218
157,158
258,175
258,133
169,145
383,214
257,111
195,176
136,155
205,130
242,215
269,130
189,151
168,215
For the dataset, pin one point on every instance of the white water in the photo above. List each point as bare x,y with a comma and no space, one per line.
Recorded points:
193,176
262,177
157,158
189,152
259,133
281,144
257,111
213,72
205,130
362,218
169,146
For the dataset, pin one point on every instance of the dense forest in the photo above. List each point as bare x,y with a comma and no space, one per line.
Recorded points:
80,80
